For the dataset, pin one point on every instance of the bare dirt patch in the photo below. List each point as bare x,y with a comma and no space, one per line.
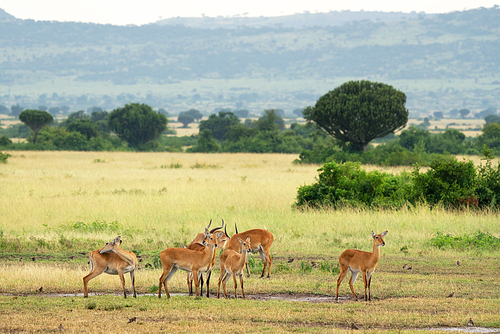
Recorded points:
292,297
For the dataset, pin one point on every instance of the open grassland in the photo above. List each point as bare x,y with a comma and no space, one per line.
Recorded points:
58,206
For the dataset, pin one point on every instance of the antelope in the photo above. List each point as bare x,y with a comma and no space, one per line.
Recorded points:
232,263
196,245
261,242
113,260
189,260
357,261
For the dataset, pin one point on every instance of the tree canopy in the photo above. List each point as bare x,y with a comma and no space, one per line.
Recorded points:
271,120
185,119
359,111
36,120
206,143
219,124
16,110
193,113
86,127
136,123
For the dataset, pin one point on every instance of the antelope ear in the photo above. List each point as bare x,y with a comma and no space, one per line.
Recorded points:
117,240
383,233
240,240
248,238
373,234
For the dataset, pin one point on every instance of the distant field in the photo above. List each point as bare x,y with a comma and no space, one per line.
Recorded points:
469,126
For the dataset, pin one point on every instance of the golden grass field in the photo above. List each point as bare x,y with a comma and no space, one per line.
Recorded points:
162,199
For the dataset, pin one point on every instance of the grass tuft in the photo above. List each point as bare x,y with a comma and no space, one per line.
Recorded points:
480,241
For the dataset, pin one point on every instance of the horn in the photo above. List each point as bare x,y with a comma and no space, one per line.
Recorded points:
217,228
236,228
206,228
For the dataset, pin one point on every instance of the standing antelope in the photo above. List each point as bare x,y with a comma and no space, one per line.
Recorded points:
196,244
113,260
232,263
189,260
357,261
261,242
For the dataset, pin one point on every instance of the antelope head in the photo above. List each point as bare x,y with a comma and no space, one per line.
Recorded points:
109,247
377,238
246,244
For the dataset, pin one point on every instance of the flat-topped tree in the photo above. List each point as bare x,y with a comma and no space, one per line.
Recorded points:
35,120
359,111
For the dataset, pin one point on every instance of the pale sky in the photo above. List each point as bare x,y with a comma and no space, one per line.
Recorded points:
138,12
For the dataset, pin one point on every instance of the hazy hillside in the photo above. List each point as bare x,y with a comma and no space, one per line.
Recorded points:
297,21
4,16
441,62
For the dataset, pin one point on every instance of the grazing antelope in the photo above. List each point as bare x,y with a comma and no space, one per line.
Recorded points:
357,261
113,260
261,242
189,260
232,263
196,245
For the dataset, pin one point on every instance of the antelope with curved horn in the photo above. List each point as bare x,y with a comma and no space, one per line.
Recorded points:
189,260
113,260
357,261
232,263
261,241
196,245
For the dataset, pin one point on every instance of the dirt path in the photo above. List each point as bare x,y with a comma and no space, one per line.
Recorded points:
293,297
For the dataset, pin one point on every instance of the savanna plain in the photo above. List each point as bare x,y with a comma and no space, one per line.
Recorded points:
56,207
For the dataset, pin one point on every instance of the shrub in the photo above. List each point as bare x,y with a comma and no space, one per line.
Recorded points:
4,141
448,182
348,184
4,157
480,241
488,186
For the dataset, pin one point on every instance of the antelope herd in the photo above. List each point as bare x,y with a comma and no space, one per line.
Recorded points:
199,258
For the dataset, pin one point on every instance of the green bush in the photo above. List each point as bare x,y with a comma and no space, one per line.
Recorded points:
4,157
347,184
4,141
479,241
488,185
448,183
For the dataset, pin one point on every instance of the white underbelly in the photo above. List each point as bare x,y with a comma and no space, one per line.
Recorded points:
113,271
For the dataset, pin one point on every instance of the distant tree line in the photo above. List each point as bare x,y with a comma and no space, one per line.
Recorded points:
340,128
135,127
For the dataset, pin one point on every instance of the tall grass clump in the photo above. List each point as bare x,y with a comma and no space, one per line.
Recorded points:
480,241
95,226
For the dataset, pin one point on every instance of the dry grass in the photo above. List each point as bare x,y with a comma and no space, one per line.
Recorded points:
192,128
183,314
